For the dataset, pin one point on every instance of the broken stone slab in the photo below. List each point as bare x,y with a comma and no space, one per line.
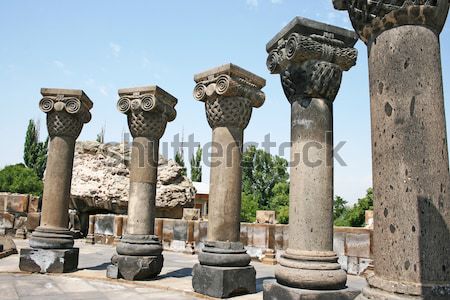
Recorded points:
275,291
135,267
265,217
49,260
223,282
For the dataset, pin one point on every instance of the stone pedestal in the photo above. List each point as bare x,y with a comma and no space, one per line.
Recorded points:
67,111
409,149
310,57
223,282
229,93
139,251
274,290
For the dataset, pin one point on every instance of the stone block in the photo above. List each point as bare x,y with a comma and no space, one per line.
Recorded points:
158,228
191,214
168,227
279,237
138,267
33,221
339,243
260,236
276,291
48,260
104,239
357,245
265,217
3,201
17,203
104,224
203,231
33,204
244,234
352,265
6,220
8,244
180,230
20,223
223,282
112,272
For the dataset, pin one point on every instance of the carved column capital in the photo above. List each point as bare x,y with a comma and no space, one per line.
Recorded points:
229,93
148,110
371,17
67,111
310,58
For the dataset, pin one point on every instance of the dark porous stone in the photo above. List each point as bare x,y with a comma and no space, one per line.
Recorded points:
276,291
223,282
49,260
138,267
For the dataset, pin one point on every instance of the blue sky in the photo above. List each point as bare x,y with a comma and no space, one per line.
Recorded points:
100,46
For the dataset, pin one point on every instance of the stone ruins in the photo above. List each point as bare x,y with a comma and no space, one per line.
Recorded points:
410,240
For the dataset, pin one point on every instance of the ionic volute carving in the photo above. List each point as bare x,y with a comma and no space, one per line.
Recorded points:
66,114
311,65
148,111
229,98
371,17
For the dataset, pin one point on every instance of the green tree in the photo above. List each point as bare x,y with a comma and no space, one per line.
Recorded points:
35,152
20,179
196,166
180,161
280,202
339,207
249,206
355,216
260,173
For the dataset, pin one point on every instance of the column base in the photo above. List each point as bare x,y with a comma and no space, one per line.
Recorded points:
51,238
223,282
312,272
48,260
135,267
274,291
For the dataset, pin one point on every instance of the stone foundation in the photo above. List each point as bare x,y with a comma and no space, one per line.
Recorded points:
223,282
48,260
135,267
275,291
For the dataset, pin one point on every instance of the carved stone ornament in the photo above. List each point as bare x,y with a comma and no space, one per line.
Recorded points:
310,57
371,17
229,93
148,110
67,111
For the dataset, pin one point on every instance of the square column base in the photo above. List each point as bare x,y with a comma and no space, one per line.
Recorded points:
274,291
49,260
135,267
223,282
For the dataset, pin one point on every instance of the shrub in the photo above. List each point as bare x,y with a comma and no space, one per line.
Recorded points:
20,179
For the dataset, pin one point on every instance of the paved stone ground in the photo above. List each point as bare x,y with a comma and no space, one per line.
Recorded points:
90,282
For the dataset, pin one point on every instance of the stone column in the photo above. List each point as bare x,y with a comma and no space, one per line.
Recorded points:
90,238
67,111
310,58
229,94
139,253
409,147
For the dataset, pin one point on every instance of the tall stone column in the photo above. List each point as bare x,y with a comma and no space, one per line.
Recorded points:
148,110
229,93
411,240
52,243
310,58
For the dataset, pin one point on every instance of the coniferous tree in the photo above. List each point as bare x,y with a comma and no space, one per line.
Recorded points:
35,152
180,161
196,167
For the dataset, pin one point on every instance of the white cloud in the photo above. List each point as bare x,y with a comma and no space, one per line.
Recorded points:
115,48
103,90
60,65
252,3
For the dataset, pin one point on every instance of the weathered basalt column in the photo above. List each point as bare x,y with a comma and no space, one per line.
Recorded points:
310,57
409,147
52,243
140,251
229,94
